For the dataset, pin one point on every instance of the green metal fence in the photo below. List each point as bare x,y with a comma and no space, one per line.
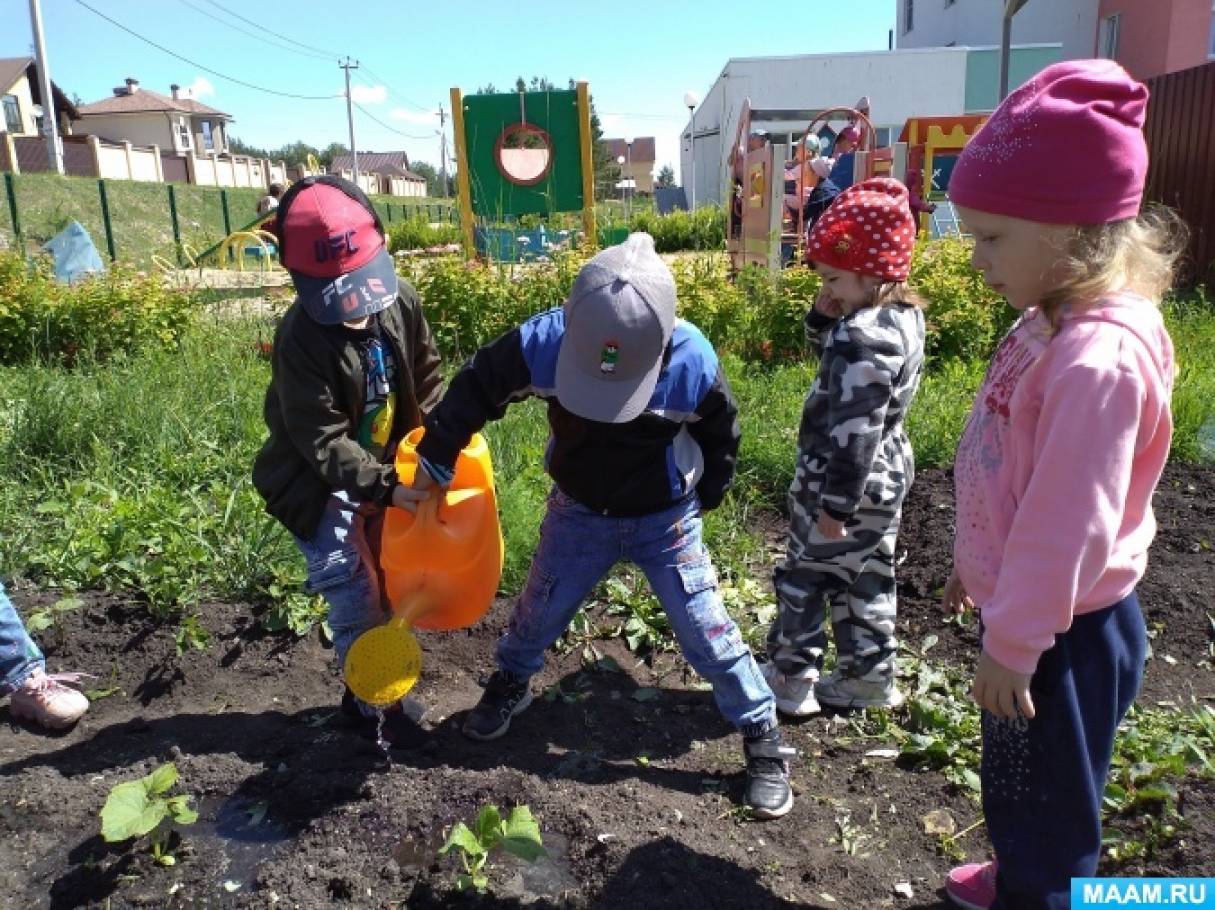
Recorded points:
134,221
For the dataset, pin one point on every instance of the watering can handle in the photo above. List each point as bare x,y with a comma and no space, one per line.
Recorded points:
428,508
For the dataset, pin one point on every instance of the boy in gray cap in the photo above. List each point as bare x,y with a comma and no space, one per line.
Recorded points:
644,436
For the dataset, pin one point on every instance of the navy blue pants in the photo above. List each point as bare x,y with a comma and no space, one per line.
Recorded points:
1043,779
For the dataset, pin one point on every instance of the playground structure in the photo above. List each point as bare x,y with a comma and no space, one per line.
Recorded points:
933,144
249,248
757,231
521,153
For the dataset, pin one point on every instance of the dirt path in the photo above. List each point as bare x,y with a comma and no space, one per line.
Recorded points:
636,795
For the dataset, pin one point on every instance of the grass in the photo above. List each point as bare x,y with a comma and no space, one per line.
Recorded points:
133,475
139,213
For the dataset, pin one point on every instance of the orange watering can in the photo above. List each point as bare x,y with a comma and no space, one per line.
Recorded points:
441,570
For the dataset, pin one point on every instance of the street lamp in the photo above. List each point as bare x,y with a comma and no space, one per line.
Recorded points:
629,186
690,101
620,163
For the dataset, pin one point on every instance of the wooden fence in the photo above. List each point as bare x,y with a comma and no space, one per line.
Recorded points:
1181,139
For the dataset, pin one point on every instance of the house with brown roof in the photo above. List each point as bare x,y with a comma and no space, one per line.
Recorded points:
639,156
381,173
174,123
21,100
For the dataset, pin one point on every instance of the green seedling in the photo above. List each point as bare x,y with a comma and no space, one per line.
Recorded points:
52,617
517,834
191,635
139,807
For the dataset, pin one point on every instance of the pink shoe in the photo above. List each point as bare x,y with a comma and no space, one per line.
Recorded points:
972,886
47,700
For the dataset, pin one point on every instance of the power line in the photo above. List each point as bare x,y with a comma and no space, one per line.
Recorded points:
390,129
329,55
206,69
400,97
243,31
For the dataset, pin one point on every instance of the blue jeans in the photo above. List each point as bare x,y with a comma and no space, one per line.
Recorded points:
577,549
19,656
344,568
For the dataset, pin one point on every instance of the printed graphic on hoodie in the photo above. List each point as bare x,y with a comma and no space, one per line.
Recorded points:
380,399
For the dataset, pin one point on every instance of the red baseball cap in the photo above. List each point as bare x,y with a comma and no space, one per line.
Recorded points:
332,243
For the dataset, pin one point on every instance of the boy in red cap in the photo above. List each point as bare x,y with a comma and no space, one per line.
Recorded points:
354,369
854,459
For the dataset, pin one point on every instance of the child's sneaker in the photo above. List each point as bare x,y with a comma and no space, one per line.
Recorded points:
768,793
973,886
848,692
48,701
504,697
401,728
794,694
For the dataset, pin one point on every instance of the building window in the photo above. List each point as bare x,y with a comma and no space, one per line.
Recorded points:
1211,48
183,134
12,114
208,140
908,15
1107,38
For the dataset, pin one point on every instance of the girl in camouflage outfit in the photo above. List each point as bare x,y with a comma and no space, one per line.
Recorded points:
854,462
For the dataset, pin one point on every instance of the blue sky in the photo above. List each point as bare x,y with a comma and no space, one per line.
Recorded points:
639,57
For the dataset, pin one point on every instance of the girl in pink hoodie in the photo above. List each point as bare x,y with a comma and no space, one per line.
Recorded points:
1055,471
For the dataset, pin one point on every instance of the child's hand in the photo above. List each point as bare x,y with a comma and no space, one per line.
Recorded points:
831,528
1003,692
407,498
828,305
956,600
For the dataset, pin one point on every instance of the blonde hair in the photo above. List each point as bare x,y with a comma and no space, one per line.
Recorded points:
893,293
1139,254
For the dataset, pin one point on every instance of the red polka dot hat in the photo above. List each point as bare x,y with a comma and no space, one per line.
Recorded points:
869,229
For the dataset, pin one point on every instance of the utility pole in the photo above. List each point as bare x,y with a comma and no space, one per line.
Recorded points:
443,149
50,124
354,155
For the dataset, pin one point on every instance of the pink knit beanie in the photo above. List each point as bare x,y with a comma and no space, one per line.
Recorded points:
1067,147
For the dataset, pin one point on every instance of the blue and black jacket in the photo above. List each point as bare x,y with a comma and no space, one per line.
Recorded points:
684,442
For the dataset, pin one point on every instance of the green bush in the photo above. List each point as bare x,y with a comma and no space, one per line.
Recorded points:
704,229
417,233
119,311
966,318
758,316
470,303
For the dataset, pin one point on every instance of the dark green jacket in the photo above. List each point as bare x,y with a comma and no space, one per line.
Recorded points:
314,405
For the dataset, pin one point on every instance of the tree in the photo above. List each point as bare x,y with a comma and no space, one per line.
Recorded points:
434,180
238,147
666,176
294,154
331,151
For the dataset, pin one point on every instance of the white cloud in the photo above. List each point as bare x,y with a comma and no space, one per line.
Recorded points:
366,94
425,118
201,87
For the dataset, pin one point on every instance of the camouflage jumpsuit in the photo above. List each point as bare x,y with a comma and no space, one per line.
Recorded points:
854,460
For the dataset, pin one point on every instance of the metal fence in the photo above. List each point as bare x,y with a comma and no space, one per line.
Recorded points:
1180,132
135,220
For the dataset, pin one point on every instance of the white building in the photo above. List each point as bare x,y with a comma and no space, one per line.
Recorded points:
944,23
787,92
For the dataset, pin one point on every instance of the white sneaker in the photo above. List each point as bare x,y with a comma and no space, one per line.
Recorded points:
848,692
794,694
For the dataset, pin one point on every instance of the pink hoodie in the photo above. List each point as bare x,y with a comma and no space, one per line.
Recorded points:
1055,472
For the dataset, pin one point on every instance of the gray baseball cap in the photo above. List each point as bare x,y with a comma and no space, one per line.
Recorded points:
618,322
